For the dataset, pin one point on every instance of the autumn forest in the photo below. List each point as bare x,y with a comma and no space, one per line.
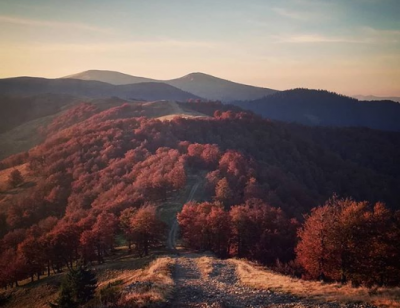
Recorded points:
317,203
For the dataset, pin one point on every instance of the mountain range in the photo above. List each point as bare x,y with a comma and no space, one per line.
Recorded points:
21,95
200,84
92,88
377,98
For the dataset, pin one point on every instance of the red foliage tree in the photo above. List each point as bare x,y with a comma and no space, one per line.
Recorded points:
223,192
147,230
349,241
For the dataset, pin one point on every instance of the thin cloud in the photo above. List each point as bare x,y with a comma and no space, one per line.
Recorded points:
127,46
290,14
51,24
311,38
364,35
382,35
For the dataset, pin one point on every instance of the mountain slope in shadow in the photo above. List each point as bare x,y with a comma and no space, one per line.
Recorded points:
93,89
317,107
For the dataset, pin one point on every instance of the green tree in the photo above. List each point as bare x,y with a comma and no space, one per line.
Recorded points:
15,178
77,288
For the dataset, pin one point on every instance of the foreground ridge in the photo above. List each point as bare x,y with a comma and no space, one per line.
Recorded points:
203,281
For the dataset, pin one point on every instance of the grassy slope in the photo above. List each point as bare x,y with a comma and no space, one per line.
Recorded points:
122,268
258,277
23,137
8,194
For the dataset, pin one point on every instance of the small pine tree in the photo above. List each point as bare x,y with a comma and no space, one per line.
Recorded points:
65,299
85,284
77,288
15,178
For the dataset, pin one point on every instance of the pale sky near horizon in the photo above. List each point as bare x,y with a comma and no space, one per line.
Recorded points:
347,46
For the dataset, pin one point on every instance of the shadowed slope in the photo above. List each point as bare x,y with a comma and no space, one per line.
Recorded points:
316,107
93,89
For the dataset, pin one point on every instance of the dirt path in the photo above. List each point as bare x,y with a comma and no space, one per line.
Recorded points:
173,232
220,288
204,281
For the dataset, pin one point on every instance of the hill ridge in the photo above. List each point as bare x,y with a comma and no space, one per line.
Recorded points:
205,85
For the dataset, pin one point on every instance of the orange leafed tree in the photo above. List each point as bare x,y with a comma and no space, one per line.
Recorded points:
345,240
146,229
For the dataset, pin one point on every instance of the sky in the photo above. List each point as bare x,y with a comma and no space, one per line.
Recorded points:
347,46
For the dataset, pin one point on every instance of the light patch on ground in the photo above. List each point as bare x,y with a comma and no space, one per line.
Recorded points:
260,278
7,194
4,174
175,111
152,285
205,265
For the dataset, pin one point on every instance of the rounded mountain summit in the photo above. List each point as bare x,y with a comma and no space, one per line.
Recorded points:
199,84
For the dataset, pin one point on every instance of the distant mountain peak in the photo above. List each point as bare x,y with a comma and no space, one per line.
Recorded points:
198,83
111,77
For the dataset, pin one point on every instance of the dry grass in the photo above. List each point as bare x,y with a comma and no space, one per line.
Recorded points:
171,110
7,194
121,267
36,297
179,115
255,276
158,271
205,265
159,290
6,172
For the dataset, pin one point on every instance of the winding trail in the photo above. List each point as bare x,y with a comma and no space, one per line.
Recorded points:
219,288
173,232
205,281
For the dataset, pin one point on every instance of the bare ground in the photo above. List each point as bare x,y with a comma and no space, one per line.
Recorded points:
219,286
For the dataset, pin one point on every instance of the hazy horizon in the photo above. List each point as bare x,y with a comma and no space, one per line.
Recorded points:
350,47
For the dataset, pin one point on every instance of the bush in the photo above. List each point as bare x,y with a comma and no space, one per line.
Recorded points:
15,178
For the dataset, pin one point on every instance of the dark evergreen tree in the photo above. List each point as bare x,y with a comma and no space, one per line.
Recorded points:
77,288
84,284
15,178
65,299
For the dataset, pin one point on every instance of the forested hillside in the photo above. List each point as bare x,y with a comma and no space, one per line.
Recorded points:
24,86
323,108
95,166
